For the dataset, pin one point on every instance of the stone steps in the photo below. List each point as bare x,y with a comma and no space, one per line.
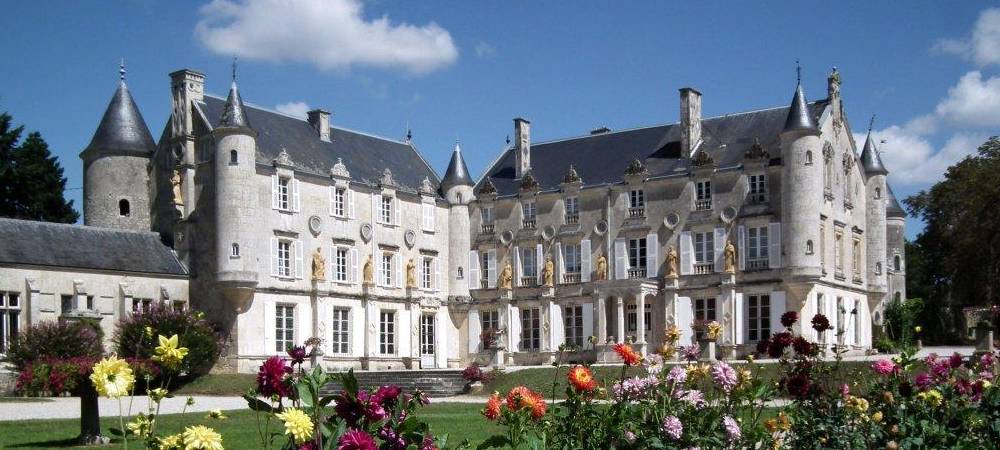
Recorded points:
434,383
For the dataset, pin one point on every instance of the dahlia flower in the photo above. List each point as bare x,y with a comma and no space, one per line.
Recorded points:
271,378
356,440
672,427
581,378
733,432
112,377
297,423
628,355
492,410
724,376
169,353
199,437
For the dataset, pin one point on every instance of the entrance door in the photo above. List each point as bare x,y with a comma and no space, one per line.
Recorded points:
427,360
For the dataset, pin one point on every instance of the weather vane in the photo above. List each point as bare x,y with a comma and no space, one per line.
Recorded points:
234,69
121,70
798,71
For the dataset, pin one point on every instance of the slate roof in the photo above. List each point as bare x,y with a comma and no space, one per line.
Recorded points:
602,158
232,113
83,247
365,156
798,118
892,206
122,128
870,159
457,173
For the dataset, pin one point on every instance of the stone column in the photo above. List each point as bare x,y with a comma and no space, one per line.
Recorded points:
620,302
640,322
601,319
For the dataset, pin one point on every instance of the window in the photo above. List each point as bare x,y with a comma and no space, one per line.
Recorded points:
636,203
703,195
387,333
758,317
531,332
340,202
341,326
428,211
637,258
90,303
704,309
571,258
757,249
529,267
179,305
284,258
838,251
385,212
66,304
809,247
857,322
340,263
487,214
234,157
386,268
234,250
427,334
828,171
283,193
704,252
878,268
632,318
490,321
124,209
758,188
284,327
822,247
878,193
10,319
572,210
573,321
427,273
484,269
856,261
141,305
809,157
896,263
528,214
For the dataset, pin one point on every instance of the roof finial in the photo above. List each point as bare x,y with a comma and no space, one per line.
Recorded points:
121,70
871,124
409,132
234,69
508,139
798,72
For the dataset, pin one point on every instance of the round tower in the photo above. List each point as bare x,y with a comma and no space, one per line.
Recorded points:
875,218
801,190
895,239
235,198
457,189
116,167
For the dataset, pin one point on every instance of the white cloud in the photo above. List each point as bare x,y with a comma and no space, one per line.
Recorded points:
973,102
913,161
483,49
330,34
983,46
296,109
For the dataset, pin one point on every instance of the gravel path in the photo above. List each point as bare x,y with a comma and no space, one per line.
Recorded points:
69,407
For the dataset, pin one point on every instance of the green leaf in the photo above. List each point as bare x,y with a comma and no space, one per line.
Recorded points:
494,442
305,394
257,404
115,431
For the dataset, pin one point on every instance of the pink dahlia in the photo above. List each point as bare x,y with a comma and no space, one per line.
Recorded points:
725,376
884,367
272,376
356,440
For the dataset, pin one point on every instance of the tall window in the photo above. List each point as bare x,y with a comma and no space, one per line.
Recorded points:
757,248
703,195
487,214
341,327
386,269
340,202
284,327
283,193
531,333
427,273
856,256
387,332
758,317
704,309
528,213
637,254
385,212
704,251
141,305
636,203
571,258
822,247
426,334
66,303
340,264
529,267
10,319
828,170
857,322
758,188
838,251
124,209
284,258
490,320
632,318
234,157
484,269
896,263
573,321
572,210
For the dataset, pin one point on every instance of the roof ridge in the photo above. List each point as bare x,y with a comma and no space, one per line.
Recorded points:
76,225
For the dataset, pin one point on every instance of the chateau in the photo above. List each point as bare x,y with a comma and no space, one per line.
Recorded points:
282,229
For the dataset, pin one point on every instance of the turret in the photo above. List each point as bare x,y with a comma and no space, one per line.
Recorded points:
875,216
457,189
802,190
116,167
895,246
235,197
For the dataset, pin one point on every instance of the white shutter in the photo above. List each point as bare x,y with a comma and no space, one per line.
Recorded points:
621,260
514,327
557,329
350,202
274,256
777,309
585,260
379,270
517,266
687,254
398,265
333,199
269,328
274,192
652,255
539,262
588,323
684,320
774,245
353,276
740,319
719,242
474,269
377,207
298,259
491,262
425,218
741,238
474,330
297,204
437,274
396,209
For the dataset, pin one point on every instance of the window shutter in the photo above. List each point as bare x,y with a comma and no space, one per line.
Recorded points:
474,331
397,261
274,191
560,264
377,207
350,202
687,254
274,256
432,207
424,217
298,259
295,194
492,268
652,255
517,266
777,309
774,245
741,238
396,210
557,332
437,274
539,263
719,243
588,324
685,318
474,269
379,271
585,260
514,327
621,259
354,266
741,322
333,195
269,331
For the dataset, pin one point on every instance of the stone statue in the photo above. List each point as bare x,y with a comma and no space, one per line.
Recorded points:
672,262
175,180
730,257
411,274
602,268
548,273
318,265
369,272
506,276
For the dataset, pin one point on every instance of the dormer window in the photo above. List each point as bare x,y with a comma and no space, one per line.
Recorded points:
758,189
637,203
572,210
385,212
703,195
528,214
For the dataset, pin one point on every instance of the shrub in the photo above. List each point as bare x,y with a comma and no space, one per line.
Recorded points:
56,340
134,336
475,373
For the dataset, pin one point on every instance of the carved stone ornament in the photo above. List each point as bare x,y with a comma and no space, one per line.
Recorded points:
366,231
528,183
635,168
571,176
827,152
601,227
426,187
283,158
387,179
756,151
701,158
728,214
506,237
671,220
848,162
315,225
340,170
487,187
410,238
548,232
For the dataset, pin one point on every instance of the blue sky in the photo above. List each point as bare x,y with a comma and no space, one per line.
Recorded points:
463,70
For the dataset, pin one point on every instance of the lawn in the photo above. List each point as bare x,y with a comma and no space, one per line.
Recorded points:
218,384
458,420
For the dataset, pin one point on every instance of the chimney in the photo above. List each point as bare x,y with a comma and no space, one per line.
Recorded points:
522,142
320,121
690,120
600,130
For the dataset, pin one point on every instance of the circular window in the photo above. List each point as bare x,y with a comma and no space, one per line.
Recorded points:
671,220
601,227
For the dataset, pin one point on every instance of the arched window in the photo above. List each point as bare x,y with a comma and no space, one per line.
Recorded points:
878,268
878,193
809,247
896,263
809,157
235,252
234,158
460,273
124,209
897,296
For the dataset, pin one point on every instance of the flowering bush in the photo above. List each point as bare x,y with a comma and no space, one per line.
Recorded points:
55,340
475,373
198,335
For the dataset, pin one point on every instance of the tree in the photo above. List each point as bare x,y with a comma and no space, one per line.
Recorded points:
959,250
32,184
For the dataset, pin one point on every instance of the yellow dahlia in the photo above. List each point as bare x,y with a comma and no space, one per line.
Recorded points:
140,426
216,414
200,437
157,394
172,442
297,423
169,352
112,377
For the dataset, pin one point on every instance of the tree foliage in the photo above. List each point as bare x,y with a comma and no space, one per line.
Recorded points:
958,253
31,179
